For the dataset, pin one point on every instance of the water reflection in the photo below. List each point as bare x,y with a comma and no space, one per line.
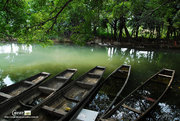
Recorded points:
164,112
10,51
100,103
15,49
110,52
7,80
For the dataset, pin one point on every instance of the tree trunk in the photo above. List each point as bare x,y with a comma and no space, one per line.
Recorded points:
158,29
121,25
126,31
132,33
120,33
107,30
111,32
169,28
115,29
168,32
137,31
95,30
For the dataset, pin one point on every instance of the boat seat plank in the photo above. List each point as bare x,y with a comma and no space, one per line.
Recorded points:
72,69
168,69
53,111
132,109
100,67
84,85
122,71
70,99
28,82
45,73
94,74
62,77
5,95
162,75
46,89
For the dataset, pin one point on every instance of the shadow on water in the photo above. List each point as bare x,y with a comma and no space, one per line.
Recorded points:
19,61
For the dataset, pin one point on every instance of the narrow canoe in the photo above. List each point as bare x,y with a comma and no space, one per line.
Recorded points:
114,83
17,89
142,100
123,74
70,98
35,96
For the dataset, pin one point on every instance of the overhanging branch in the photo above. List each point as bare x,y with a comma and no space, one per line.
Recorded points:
54,18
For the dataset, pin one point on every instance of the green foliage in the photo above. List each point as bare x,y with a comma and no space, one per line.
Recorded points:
121,9
37,21
81,39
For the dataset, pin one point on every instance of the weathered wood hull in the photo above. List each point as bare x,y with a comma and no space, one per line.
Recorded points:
121,75
142,100
69,99
15,90
37,95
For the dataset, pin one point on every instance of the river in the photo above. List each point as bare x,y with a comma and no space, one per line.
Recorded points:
19,61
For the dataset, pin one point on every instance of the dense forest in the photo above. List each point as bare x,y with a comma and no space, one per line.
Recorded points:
41,21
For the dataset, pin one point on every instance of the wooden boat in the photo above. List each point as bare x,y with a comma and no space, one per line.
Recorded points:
67,100
37,95
17,89
142,100
115,82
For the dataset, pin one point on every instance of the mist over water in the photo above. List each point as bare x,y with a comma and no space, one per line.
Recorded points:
18,61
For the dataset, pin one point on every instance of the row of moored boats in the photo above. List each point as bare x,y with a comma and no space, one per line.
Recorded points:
62,98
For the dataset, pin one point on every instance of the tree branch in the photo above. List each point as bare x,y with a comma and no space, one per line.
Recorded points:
152,11
54,18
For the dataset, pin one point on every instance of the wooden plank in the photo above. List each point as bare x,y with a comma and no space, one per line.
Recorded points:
62,77
94,74
71,99
168,69
46,89
59,113
84,85
53,111
72,69
132,109
47,108
100,67
5,95
122,71
28,82
45,73
162,75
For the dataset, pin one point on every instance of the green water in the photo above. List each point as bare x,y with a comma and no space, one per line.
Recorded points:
20,61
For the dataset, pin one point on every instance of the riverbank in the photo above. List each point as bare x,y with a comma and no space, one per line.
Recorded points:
133,43
136,44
